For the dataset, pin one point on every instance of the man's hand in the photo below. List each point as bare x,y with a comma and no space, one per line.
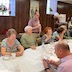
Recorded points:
45,63
53,63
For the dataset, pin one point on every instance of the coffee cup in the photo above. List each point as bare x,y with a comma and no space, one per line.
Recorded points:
13,55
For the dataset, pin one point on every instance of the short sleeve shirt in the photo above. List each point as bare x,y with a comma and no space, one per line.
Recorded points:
66,64
14,48
34,22
55,34
44,37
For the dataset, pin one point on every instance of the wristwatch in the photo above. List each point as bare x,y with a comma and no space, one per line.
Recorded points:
46,69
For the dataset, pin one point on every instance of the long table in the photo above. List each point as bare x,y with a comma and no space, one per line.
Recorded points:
31,61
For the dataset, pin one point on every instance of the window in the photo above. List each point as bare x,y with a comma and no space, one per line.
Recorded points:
51,6
7,7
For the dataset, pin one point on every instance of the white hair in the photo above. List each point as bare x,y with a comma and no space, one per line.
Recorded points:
27,27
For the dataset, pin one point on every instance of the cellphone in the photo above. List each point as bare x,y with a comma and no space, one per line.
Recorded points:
48,64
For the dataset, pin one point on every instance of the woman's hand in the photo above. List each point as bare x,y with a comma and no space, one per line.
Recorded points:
33,47
21,50
18,54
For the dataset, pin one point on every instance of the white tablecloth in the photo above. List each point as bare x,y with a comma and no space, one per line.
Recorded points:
31,61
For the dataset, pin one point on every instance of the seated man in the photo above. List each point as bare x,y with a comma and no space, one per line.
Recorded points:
27,39
11,45
62,51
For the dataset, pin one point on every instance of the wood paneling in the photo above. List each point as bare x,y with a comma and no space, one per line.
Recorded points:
43,13
45,19
50,21
22,15
64,8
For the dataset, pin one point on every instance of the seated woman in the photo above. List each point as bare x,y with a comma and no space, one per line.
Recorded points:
11,44
27,39
47,37
59,34
67,34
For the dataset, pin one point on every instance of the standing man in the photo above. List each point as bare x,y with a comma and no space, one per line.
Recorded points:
35,24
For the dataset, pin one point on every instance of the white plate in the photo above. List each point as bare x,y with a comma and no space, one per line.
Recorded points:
6,57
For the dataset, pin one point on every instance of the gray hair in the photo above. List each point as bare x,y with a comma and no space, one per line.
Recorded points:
10,32
27,27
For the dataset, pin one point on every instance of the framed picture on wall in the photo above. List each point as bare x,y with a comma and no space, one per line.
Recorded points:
34,6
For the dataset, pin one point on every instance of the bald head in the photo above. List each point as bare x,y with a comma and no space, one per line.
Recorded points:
62,49
62,45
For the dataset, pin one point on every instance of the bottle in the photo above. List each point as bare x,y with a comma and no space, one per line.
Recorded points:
42,44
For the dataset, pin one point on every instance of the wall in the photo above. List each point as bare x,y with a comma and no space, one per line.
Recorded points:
65,8
46,20
22,15
20,20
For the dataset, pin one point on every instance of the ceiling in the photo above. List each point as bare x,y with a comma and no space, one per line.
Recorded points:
67,1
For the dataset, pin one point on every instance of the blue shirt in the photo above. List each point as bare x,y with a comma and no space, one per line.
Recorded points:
43,39
55,34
